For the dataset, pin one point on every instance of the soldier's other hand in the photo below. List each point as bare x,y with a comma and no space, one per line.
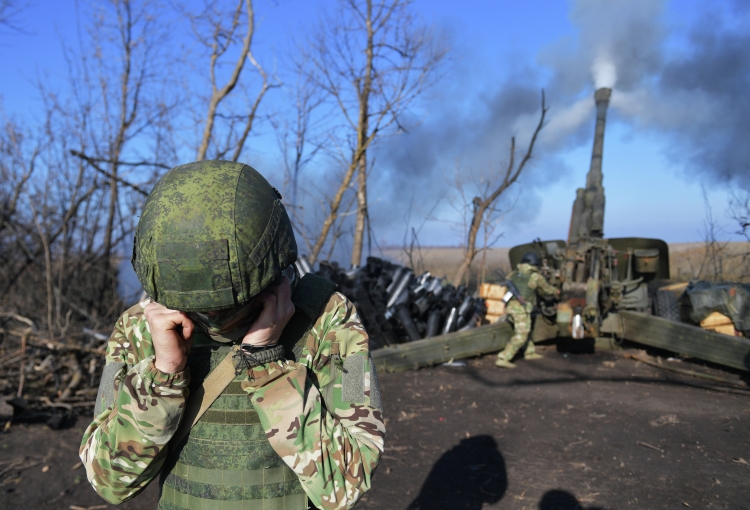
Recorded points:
278,308
171,331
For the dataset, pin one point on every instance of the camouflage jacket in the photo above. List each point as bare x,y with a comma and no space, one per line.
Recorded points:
536,282
333,445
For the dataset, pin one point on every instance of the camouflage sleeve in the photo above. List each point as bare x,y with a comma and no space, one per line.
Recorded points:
323,415
537,281
125,446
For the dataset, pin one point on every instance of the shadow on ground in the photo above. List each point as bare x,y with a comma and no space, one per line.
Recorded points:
468,475
562,500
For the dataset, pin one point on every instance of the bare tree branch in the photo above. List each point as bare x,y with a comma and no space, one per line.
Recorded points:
482,205
372,61
219,43
94,164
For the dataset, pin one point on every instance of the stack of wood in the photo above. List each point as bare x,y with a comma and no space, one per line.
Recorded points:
493,293
45,379
720,323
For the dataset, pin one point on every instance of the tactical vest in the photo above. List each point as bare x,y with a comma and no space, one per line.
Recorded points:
226,462
522,283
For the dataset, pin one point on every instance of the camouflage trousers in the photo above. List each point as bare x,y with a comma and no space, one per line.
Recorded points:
521,316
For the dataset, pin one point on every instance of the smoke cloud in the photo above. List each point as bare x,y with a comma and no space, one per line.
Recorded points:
604,71
687,87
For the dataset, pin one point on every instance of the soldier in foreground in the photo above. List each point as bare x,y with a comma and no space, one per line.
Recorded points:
237,384
528,280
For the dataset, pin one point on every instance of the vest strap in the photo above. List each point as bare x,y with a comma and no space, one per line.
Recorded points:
199,402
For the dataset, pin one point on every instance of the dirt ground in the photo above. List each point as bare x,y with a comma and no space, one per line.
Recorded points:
570,431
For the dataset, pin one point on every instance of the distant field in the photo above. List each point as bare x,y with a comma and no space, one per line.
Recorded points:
442,262
687,261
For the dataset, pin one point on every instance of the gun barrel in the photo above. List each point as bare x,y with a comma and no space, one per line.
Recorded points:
594,179
587,218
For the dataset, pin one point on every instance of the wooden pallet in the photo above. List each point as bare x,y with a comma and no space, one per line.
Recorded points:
439,349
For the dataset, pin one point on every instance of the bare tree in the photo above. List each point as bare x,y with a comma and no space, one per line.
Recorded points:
372,60
121,98
75,180
225,30
10,10
484,206
715,249
739,211
297,137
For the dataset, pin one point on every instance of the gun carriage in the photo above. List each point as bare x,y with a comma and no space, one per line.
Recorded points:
598,277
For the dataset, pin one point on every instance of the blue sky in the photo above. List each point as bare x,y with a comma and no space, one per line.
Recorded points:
654,165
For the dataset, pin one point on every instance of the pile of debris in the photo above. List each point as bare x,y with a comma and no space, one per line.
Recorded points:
53,380
47,380
396,306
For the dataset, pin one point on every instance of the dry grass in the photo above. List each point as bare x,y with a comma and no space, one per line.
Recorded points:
687,261
722,261
443,261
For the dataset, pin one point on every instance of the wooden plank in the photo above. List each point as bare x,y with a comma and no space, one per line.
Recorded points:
491,318
495,307
715,319
492,291
693,341
439,349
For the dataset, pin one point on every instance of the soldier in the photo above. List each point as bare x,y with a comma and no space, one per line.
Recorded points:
298,420
529,281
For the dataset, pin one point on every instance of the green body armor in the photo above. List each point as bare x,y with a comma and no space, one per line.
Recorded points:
522,283
226,462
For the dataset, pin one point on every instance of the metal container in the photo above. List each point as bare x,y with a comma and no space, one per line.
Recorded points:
646,260
576,327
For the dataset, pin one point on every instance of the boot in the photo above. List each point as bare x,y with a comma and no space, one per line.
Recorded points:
503,363
533,355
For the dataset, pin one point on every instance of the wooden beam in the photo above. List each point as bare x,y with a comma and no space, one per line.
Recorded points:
439,349
730,351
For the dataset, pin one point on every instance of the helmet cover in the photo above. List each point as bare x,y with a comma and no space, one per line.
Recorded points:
212,235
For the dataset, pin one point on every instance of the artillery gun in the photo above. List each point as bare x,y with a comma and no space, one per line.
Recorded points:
598,277
606,286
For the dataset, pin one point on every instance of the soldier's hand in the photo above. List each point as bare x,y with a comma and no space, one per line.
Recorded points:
278,308
171,331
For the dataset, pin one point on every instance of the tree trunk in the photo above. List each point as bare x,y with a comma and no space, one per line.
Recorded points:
481,205
333,213
359,225
471,244
362,136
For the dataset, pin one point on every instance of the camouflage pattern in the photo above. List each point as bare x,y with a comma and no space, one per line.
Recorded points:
226,461
321,414
521,314
194,258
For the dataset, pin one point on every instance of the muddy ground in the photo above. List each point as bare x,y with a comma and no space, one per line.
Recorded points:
589,431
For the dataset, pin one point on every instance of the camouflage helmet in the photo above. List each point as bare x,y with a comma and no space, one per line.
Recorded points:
212,235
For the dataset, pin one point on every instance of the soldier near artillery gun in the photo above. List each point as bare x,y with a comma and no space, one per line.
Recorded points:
284,405
599,277
524,282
